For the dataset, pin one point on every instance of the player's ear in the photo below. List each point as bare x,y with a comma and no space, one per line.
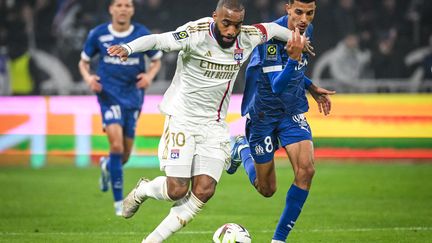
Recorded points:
214,15
287,7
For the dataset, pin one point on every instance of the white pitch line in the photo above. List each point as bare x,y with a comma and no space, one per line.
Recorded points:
211,232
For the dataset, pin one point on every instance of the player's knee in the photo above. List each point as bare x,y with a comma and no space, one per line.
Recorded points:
309,172
116,147
177,193
305,173
204,193
267,190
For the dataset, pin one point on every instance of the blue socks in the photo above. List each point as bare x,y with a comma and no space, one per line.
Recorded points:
295,199
248,164
115,168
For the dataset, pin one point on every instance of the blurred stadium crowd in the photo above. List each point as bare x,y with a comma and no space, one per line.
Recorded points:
361,45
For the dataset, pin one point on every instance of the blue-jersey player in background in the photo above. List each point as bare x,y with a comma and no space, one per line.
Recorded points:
119,87
274,102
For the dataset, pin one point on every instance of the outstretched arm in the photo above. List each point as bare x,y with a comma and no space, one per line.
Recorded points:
164,42
321,96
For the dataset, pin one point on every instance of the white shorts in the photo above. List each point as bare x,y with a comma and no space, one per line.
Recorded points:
187,149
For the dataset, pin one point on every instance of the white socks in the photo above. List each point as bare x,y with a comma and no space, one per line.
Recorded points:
156,189
182,212
118,207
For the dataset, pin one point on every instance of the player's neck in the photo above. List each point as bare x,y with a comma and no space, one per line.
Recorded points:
121,27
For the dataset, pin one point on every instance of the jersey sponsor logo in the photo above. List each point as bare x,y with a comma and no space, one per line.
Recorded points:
271,52
106,38
259,150
219,71
181,35
175,154
115,60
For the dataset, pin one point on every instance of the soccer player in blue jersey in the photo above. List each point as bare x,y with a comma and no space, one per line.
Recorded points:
274,102
119,87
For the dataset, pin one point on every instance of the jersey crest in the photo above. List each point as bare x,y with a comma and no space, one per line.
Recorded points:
238,55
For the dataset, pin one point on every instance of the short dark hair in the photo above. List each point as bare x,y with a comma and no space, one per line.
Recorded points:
113,1
236,5
302,1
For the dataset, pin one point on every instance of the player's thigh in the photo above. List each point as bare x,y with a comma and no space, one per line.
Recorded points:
111,114
293,129
176,149
266,175
212,153
208,166
262,139
130,118
301,154
112,122
296,136
115,134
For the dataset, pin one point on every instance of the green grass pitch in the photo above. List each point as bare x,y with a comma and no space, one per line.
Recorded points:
349,202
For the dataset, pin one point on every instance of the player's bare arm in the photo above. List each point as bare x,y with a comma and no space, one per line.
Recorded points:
91,80
295,45
322,97
146,79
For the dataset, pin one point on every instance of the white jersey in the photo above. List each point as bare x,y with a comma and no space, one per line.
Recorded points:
201,88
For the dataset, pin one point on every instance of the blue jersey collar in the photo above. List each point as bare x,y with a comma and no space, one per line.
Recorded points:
282,21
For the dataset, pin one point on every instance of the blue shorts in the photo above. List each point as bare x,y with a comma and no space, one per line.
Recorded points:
115,114
265,134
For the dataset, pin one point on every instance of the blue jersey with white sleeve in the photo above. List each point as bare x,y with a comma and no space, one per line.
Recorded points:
275,84
118,78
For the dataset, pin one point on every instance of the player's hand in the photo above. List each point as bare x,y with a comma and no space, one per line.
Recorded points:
119,51
308,48
93,82
322,97
144,81
295,45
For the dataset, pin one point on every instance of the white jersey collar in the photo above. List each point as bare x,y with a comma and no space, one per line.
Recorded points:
121,34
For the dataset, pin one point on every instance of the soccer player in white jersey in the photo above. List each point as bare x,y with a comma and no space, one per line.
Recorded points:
195,146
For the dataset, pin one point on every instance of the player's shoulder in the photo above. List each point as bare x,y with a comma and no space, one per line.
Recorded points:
193,31
100,29
250,30
197,26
